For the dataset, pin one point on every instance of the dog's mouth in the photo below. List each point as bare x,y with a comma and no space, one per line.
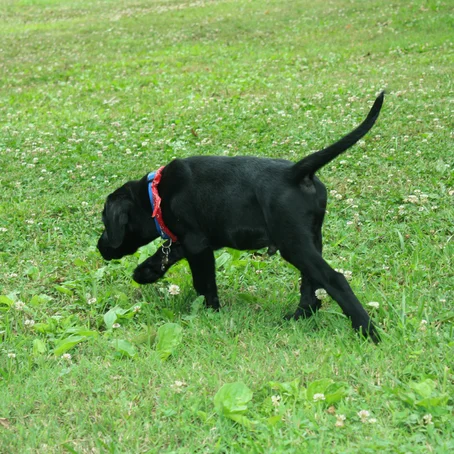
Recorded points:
128,247
107,253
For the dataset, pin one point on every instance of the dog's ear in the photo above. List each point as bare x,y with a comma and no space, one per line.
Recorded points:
116,218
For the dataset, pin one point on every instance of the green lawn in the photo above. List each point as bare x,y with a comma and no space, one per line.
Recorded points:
95,93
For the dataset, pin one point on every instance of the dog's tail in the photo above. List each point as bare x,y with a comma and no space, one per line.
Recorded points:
310,164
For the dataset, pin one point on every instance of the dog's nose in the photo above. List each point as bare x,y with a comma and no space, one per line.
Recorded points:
103,249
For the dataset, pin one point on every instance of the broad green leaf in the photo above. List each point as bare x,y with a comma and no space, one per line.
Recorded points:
6,301
223,259
202,415
39,347
408,398
37,300
44,327
273,420
240,263
67,344
169,337
335,392
69,448
81,331
64,290
424,388
289,389
433,402
124,347
241,419
145,337
112,315
197,304
99,273
32,272
167,313
80,263
247,297
317,387
109,319
232,398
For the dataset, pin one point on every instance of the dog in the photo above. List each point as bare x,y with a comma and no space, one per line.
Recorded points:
203,203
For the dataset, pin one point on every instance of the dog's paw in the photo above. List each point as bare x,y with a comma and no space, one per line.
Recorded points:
367,329
147,274
212,302
304,312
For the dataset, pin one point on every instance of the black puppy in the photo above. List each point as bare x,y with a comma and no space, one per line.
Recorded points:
204,203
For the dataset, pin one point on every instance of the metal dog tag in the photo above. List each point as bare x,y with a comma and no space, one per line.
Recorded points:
165,258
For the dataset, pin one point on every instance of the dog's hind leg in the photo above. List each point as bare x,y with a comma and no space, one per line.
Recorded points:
154,267
309,303
202,266
304,255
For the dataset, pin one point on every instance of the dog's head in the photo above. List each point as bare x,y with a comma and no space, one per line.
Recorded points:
128,224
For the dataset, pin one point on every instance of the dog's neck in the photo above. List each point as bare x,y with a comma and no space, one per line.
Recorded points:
153,180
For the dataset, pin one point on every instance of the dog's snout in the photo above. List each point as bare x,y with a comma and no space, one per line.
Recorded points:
103,247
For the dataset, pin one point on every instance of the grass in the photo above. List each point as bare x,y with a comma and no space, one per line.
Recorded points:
96,93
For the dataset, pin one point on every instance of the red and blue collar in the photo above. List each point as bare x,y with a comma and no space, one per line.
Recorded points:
153,180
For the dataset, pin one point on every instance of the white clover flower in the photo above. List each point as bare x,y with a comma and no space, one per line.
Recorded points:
3,229
423,198
423,325
11,355
374,304
19,305
347,274
66,356
412,199
372,420
29,323
91,300
174,289
427,419
364,414
318,396
276,400
321,294
116,325
340,420
136,309
178,386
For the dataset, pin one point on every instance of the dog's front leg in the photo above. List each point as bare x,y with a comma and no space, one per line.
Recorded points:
202,266
153,268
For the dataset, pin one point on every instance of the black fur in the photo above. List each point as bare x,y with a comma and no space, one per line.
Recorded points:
210,202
